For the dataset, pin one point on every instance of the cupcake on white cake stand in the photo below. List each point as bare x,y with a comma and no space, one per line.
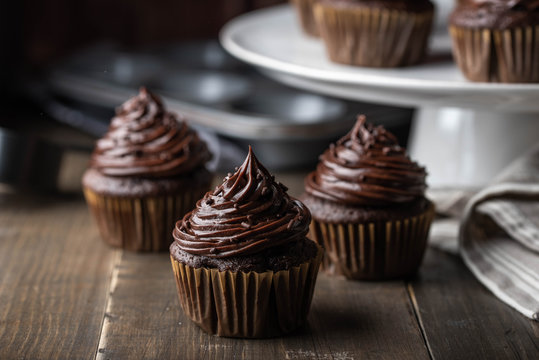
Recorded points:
463,132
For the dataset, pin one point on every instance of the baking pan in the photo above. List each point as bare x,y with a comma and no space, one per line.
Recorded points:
288,127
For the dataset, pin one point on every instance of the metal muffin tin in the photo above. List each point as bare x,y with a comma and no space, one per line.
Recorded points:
288,128
203,86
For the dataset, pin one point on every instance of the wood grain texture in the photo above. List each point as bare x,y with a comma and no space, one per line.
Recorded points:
348,320
54,272
461,319
65,294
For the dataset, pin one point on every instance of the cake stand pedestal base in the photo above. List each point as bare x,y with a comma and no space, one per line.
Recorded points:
468,148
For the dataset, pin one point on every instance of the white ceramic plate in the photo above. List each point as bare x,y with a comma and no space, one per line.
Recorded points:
272,40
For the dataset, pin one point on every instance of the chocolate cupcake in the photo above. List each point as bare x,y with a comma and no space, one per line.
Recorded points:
241,259
305,11
497,40
368,206
375,33
148,170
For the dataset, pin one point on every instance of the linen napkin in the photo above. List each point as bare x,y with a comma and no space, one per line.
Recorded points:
498,233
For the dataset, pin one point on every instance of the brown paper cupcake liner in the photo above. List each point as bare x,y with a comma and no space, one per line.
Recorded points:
139,223
373,37
509,56
377,250
247,305
305,11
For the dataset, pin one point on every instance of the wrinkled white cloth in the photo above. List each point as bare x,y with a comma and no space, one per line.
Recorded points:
498,232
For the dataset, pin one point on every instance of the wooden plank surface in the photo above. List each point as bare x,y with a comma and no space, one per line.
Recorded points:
461,319
54,273
64,294
348,320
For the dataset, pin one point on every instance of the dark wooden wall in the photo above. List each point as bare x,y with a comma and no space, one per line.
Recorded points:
48,30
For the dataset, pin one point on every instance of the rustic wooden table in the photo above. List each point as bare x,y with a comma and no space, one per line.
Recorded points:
66,295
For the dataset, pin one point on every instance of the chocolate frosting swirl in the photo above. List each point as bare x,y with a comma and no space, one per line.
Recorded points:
245,215
497,14
366,167
145,140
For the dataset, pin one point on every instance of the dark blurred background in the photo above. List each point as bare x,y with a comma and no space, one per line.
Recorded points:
66,65
36,33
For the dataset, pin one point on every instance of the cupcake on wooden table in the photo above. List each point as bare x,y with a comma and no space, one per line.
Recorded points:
148,170
497,40
375,33
368,206
242,262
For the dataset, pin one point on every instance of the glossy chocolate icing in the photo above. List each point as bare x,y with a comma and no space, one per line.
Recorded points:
400,5
145,140
366,167
248,213
495,14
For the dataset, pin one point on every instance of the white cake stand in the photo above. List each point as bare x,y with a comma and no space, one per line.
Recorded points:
464,132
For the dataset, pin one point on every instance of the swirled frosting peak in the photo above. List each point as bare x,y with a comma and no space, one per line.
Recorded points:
366,167
146,140
248,213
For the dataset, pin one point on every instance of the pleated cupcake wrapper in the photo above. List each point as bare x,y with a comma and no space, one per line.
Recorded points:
247,304
140,223
373,37
376,250
304,10
508,56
